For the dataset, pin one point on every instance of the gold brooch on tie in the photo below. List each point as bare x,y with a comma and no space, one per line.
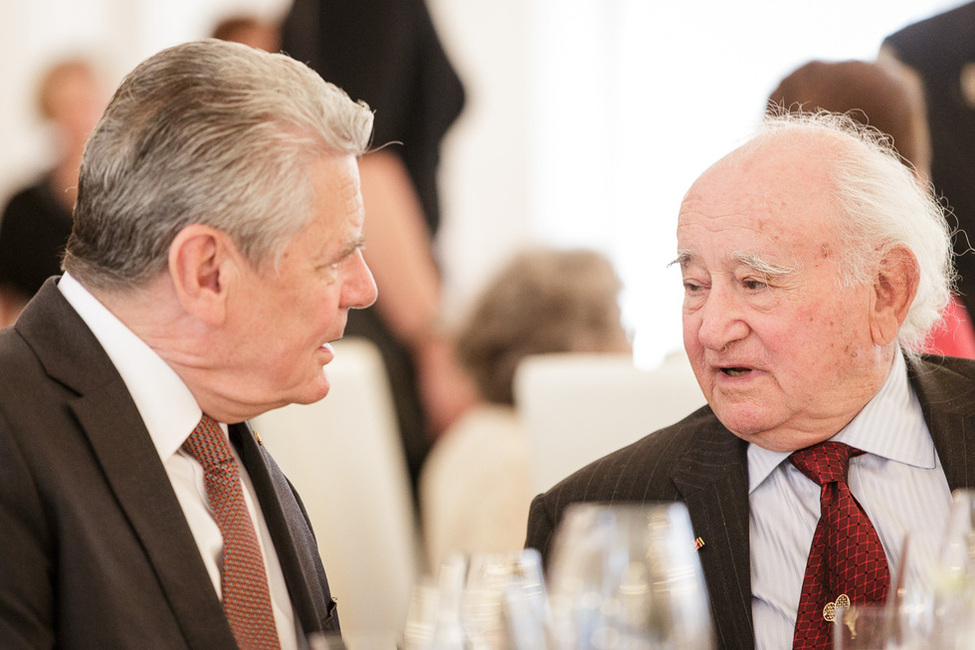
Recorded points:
829,612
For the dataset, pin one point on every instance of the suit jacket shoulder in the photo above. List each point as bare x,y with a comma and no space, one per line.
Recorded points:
98,551
662,466
945,387
696,461
700,462
670,463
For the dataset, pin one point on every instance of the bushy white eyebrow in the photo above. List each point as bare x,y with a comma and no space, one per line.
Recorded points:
751,260
683,257
354,244
763,266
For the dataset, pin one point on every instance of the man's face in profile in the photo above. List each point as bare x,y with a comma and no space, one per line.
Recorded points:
780,345
285,315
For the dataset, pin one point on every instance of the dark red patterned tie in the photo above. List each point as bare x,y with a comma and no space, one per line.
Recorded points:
846,560
246,598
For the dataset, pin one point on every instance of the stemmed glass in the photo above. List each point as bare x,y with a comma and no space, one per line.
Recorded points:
494,601
954,582
627,577
505,604
931,603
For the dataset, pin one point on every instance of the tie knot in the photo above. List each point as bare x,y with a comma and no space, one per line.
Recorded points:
208,445
826,462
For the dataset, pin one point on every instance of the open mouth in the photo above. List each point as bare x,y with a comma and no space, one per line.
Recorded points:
735,372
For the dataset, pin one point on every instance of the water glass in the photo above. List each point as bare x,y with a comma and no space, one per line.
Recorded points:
627,577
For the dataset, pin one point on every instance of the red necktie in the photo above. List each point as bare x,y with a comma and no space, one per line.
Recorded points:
246,598
846,560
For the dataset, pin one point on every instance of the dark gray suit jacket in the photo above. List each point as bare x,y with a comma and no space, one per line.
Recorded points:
94,549
701,463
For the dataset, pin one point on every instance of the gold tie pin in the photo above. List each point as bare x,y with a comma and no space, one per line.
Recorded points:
829,612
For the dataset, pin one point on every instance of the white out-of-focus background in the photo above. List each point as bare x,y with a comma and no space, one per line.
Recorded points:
586,119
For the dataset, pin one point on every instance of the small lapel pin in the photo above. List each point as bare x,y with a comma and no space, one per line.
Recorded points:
698,543
258,436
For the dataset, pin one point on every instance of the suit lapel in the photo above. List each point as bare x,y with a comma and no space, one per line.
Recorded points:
132,468
291,533
713,482
948,403
121,445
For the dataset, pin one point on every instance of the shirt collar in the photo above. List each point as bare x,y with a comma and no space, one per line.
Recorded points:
168,408
891,426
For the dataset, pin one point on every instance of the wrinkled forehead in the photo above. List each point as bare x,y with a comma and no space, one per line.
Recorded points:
777,189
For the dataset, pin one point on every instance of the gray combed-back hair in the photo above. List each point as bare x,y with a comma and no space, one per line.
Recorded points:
207,132
881,205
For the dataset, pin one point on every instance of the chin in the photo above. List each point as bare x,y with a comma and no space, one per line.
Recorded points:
769,440
315,394
772,434
750,426
311,391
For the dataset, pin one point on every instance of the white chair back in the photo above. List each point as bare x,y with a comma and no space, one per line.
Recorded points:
344,456
577,408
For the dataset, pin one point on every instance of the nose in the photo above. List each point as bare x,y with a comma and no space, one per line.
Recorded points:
721,321
360,289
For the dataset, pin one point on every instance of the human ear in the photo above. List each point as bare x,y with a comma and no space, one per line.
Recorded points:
200,267
893,292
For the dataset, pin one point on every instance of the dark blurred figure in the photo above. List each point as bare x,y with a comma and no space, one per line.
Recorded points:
36,221
877,95
249,30
387,53
940,51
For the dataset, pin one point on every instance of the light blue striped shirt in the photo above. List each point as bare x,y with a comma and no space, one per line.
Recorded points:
899,482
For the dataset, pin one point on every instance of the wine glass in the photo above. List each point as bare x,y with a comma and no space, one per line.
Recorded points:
954,583
493,601
930,603
957,557
421,616
504,602
628,577
433,620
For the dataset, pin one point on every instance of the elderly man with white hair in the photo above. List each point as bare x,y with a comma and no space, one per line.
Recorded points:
814,265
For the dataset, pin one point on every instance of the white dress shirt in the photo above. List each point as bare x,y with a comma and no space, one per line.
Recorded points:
170,414
899,482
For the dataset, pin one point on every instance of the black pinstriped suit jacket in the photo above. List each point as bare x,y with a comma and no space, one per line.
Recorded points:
701,463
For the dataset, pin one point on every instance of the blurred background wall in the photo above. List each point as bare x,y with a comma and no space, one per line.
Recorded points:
585,123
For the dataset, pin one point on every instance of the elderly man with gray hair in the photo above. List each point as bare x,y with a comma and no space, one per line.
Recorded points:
216,252
814,265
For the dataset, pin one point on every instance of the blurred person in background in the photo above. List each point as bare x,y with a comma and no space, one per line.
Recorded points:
215,253
939,54
879,96
475,487
388,54
249,30
36,221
